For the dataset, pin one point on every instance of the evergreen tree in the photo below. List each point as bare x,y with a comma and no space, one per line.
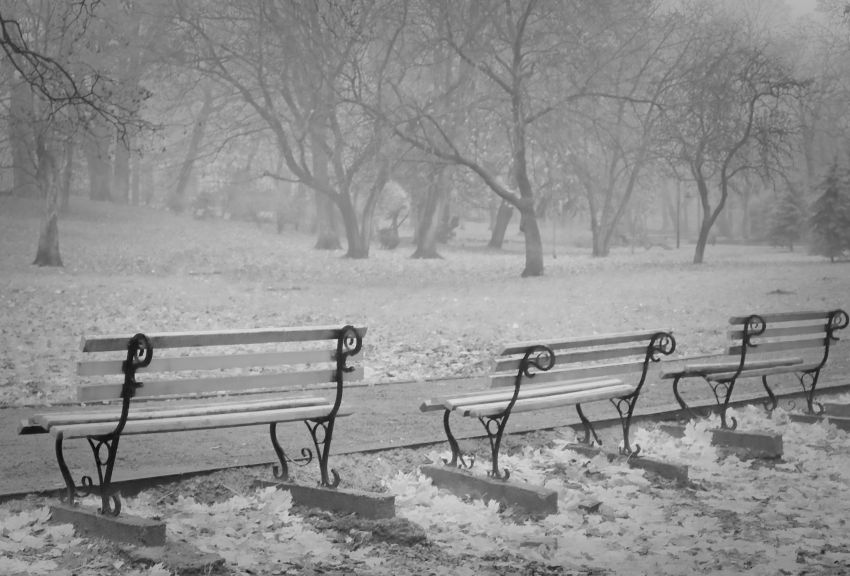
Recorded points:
830,219
787,219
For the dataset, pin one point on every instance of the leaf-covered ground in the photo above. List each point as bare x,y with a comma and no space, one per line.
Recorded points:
136,269
782,517
130,269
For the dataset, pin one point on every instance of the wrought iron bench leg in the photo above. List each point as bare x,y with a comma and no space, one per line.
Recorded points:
458,459
495,438
772,401
692,414
626,422
110,500
588,428
321,432
723,403
809,381
281,472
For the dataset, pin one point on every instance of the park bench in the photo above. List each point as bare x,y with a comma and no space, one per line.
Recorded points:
761,346
531,376
198,381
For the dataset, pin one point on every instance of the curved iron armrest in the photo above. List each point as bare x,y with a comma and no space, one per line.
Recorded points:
139,355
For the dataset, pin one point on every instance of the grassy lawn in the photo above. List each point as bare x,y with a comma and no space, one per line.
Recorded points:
138,269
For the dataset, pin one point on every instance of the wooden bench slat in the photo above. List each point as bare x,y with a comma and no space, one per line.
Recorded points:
581,372
582,342
702,369
512,364
109,343
455,403
781,346
437,402
803,315
200,422
153,388
490,409
224,361
771,332
726,376
48,420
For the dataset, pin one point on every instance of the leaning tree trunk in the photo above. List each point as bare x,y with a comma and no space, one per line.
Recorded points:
48,239
176,201
97,159
121,170
356,247
533,243
21,141
368,214
426,237
500,226
67,175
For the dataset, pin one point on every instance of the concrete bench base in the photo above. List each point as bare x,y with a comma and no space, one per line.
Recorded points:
676,472
525,497
842,423
125,528
745,445
178,557
365,504
838,410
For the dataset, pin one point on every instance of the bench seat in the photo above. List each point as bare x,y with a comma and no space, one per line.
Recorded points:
199,381
199,422
601,392
529,376
42,423
758,345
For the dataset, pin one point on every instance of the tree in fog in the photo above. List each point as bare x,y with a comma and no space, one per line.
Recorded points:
610,143
830,215
44,43
731,115
295,64
787,219
511,47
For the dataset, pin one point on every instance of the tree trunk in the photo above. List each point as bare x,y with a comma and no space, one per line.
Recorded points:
356,247
24,179
176,201
533,244
147,181
601,248
67,175
121,170
380,182
500,226
326,224
48,239
97,158
426,238
135,179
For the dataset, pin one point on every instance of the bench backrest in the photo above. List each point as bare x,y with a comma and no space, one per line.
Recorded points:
785,332
587,357
215,362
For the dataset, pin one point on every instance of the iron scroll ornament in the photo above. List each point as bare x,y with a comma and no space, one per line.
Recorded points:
837,320
754,326
540,358
661,343
349,343
139,355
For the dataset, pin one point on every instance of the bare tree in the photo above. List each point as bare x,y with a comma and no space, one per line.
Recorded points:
295,64
731,116
37,40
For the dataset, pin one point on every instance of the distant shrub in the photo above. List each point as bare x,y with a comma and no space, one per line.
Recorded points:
787,220
830,219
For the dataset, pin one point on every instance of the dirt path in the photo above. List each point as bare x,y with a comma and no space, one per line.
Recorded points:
384,416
